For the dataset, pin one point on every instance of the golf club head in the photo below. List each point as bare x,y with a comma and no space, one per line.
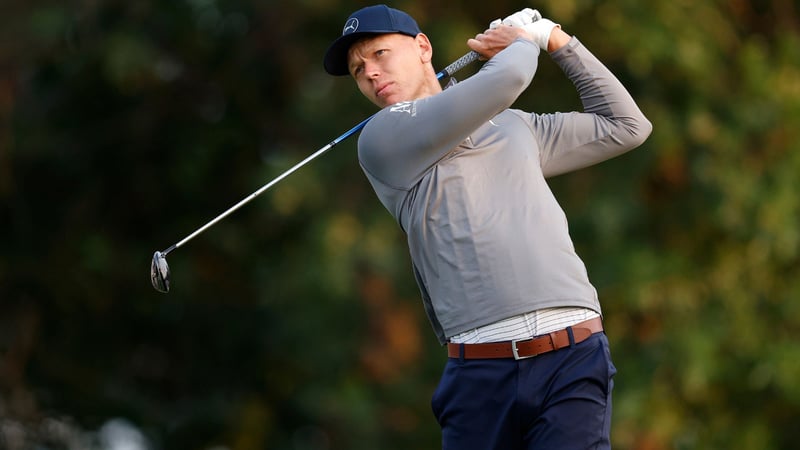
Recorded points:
159,273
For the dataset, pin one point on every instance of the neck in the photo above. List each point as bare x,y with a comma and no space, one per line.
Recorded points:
430,86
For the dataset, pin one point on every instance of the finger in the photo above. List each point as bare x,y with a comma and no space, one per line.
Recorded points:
479,47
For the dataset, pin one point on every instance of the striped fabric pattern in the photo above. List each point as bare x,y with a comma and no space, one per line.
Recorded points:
525,326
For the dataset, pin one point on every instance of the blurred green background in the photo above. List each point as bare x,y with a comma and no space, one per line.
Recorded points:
295,323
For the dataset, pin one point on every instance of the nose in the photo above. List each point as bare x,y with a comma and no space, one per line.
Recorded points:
371,69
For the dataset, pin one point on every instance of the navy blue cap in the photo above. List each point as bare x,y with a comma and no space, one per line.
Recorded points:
378,19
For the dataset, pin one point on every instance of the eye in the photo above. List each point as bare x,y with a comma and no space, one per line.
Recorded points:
381,52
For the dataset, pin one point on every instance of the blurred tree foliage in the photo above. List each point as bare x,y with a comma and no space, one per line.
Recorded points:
295,323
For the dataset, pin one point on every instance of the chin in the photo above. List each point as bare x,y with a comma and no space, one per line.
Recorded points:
390,100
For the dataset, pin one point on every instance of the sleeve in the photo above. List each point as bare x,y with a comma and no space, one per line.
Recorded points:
405,140
611,123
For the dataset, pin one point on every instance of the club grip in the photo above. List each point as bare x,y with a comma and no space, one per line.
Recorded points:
459,64
473,56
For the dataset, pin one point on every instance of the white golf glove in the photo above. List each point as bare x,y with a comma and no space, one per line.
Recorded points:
522,18
518,19
540,31
531,20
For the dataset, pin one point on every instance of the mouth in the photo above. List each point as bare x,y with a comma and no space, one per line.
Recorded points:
382,90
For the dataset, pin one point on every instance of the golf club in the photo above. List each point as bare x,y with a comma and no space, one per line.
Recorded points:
159,269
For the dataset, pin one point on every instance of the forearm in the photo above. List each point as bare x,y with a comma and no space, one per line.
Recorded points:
600,91
610,124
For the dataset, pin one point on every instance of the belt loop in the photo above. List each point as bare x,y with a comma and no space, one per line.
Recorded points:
461,353
571,337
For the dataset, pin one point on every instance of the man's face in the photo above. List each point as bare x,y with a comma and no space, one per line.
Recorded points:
390,68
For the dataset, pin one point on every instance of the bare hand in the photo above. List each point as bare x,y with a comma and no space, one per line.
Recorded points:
493,41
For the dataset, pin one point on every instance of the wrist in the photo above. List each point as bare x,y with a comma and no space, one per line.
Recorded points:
558,39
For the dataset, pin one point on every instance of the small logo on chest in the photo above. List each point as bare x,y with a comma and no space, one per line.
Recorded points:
404,107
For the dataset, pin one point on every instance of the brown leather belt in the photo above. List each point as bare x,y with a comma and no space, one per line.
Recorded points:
527,348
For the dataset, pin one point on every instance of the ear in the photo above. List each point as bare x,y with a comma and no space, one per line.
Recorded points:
425,48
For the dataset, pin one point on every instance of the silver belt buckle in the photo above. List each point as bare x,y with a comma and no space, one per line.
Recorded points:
515,351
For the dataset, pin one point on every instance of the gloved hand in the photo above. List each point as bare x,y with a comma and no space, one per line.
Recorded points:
540,31
522,18
531,20
518,19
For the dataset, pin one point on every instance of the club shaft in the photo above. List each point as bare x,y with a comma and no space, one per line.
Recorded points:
448,71
280,177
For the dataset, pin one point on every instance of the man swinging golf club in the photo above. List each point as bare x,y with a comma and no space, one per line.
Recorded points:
464,176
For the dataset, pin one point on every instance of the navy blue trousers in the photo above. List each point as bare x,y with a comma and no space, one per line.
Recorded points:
559,400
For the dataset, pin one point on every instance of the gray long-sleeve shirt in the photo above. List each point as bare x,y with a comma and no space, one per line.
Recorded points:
464,176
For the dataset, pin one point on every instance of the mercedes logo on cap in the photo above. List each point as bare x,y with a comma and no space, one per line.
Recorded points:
351,26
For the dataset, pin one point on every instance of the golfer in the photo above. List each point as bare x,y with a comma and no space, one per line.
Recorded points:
464,175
